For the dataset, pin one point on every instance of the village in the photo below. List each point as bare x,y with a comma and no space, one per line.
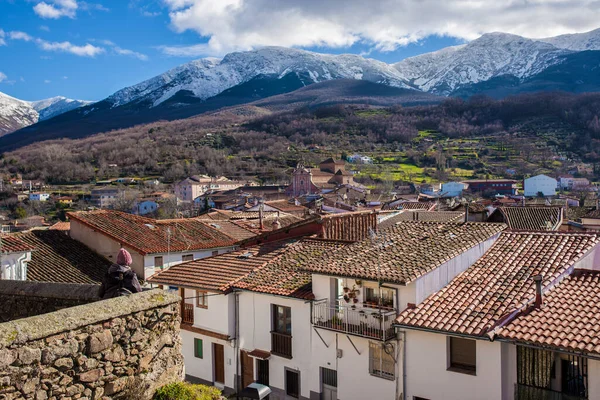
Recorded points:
318,289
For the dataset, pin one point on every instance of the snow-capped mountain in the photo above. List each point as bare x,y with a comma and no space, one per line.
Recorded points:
208,77
54,106
492,55
16,114
576,41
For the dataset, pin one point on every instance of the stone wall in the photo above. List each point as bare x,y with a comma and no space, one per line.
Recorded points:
25,299
119,348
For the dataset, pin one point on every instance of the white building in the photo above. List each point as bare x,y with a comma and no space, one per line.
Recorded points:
491,335
360,159
453,189
15,256
146,206
539,184
339,345
39,196
153,244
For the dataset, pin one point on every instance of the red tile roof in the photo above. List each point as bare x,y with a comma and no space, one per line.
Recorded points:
285,206
269,268
529,218
421,215
61,226
12,244
405,251
500,283
283,274
569,318
230,228
411,205
149,236
58,258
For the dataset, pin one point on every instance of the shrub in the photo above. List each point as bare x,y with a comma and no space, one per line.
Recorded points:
187,391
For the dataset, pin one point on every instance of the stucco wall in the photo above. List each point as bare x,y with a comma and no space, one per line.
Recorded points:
427,375
127,346
540,183
14,265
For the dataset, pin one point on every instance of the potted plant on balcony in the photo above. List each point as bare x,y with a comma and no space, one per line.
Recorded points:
336,322
346,289
346,298
355,300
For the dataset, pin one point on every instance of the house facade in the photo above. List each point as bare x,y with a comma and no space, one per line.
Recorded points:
15,256
493,186
105,197
154,244
453,189
539,184
508,327
39,196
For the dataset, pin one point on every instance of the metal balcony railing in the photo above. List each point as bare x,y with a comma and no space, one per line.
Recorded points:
359,321
187,315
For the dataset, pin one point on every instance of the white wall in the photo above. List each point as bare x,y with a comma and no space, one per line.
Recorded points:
354,380
539,183
255,328
174,258
593,379
427,375
439,277
14,266
452,189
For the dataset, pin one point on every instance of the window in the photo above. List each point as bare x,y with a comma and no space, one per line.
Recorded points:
381,360
462,354
187,257
201,299
198,351
158,262
215,252
372,297
292,383
282,319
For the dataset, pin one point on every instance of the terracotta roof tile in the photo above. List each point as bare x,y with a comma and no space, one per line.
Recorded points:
531,218
148,235
411,205
58,258
405,251
421,215
285,206
12,244
500,282
569,317
230,228
594,214
61,226
283,276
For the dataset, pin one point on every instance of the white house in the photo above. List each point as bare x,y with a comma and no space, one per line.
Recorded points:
153,244
508,328
359,159
453,189
146,206
15,256
39,196
308,322
539,184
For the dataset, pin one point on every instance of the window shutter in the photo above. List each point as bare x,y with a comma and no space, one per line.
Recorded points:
198,351
463,352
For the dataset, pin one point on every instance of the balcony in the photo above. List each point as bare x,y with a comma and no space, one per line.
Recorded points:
524,392
281,344
360,321
187,313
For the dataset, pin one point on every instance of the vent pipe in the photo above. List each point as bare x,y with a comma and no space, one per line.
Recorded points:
538,291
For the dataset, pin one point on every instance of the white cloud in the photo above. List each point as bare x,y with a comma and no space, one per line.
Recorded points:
56,9
383,24
131,53
3,76
47,81
2,41
18,35
44,28
86,50
65,77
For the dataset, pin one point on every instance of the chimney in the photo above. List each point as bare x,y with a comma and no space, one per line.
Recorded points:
538,291
261,207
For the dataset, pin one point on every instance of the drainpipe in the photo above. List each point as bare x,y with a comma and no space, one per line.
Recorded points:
403,365
236,346
22,267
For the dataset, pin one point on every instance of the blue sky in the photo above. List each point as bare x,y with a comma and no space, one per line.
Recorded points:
88,50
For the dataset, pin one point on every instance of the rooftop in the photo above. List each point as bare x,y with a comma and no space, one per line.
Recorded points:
405,251
58,258
530,218
147,235
12,244
500,283
421,215
569,318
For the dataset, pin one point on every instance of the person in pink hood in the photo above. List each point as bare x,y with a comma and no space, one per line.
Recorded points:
120,280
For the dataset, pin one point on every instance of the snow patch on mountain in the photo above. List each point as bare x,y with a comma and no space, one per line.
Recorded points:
206,78
576,41
493,54
54,106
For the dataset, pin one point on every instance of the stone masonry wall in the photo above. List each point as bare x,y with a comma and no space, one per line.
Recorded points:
25,299
119,348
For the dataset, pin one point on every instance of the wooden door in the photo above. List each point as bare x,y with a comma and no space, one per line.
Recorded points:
219,362
247,368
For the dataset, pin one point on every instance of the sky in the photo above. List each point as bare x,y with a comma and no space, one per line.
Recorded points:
90,49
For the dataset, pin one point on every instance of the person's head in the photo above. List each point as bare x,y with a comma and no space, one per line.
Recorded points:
124,258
